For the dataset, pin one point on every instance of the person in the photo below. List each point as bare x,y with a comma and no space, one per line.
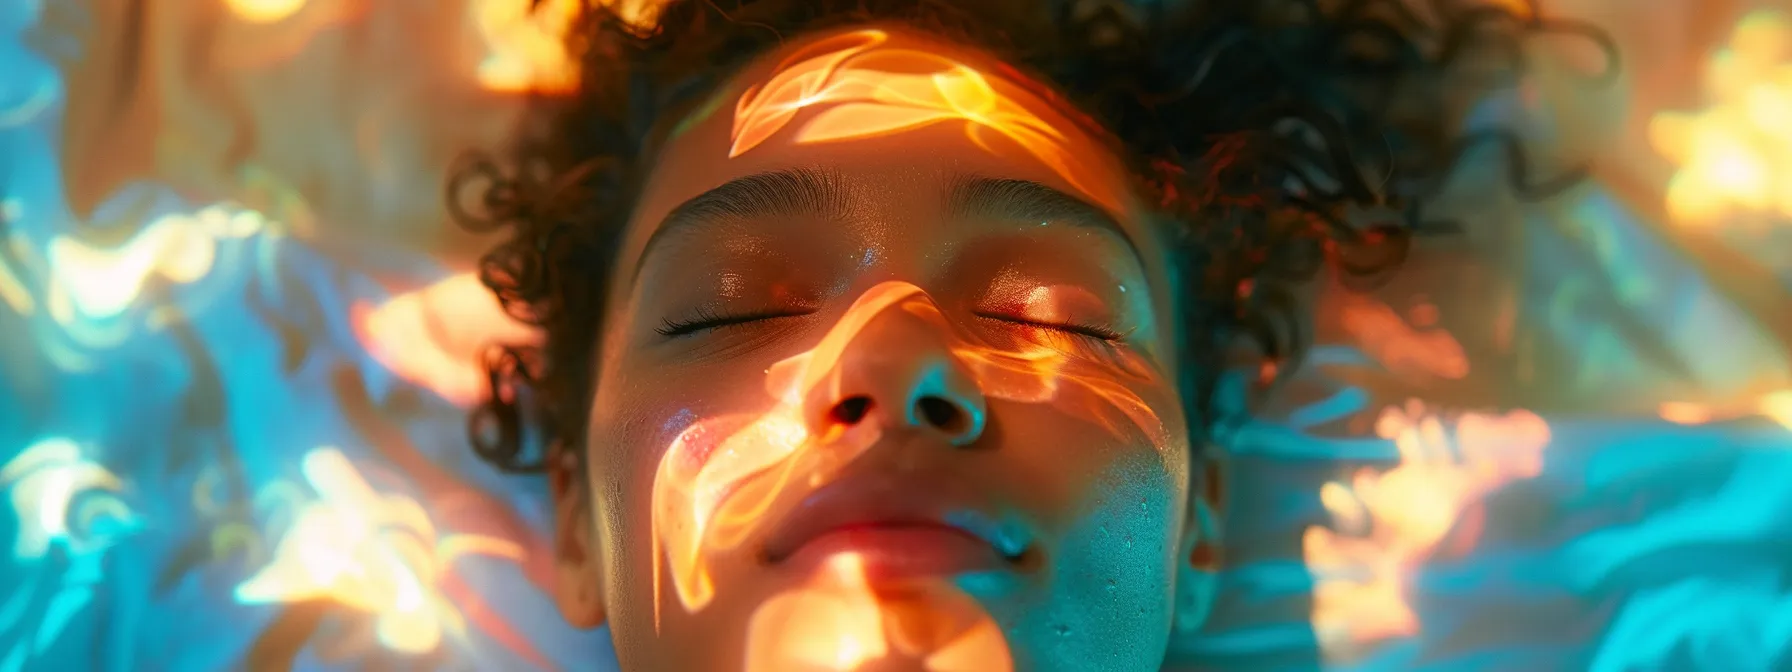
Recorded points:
937,294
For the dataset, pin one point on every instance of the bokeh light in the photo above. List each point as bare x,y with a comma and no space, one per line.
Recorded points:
371,552
233,413
1388,523
1735,157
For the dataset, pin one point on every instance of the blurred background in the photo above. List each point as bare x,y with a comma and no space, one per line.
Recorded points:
237,339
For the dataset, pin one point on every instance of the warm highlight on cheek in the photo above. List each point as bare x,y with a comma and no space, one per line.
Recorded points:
874,90
722,476
725,477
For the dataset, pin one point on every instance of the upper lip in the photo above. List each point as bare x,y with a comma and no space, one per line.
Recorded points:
887,503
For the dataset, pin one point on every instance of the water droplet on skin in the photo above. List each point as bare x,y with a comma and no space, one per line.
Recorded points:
1111,586
1123,289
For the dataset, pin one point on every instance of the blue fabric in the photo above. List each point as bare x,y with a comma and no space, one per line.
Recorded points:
1642,545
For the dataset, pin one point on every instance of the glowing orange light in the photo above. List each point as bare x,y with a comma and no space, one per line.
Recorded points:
642,14
722,476
1684,413
1399,346
527,45
1519,8
374,553
95,282
875,90
1390,522
435,337
840,621
264,11
87,290
1778,407
1735,158
1775,406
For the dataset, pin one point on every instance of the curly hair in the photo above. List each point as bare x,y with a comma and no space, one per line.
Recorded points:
1275,134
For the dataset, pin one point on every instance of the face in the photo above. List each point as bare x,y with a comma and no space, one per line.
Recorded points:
886,375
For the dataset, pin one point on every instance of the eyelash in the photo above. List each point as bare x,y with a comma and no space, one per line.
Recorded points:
708,320
1084,330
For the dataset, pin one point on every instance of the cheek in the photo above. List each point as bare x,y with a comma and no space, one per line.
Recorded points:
1114,552
1082,470
1118,561
1108,450
1113,460
635,417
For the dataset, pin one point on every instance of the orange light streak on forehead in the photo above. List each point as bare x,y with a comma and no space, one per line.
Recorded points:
873,90
723,476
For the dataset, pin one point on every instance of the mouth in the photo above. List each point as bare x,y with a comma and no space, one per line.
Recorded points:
896,535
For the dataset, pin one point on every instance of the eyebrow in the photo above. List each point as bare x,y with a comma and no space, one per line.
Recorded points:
1028,201
793,192
809,192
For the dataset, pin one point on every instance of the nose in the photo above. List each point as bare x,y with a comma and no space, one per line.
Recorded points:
899,371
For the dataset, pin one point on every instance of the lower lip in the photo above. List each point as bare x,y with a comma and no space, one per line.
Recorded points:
901,551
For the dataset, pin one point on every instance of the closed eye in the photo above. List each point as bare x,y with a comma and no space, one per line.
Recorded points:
708,320
1088,330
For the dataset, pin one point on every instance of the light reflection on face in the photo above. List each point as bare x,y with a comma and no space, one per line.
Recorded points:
724,480
917,375
871,88
840,621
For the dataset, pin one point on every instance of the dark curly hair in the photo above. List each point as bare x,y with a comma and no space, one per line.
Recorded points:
1276,135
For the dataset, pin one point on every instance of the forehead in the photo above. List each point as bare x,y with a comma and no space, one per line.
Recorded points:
887,107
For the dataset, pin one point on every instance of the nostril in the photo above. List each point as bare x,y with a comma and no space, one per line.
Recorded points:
850,411
942,414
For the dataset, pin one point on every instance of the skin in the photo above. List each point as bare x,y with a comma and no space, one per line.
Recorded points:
1108,512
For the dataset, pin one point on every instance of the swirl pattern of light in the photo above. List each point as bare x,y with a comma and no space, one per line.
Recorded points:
375,553
1392,521
722,477
44,482
435,336
1735,158
840,621
870,89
